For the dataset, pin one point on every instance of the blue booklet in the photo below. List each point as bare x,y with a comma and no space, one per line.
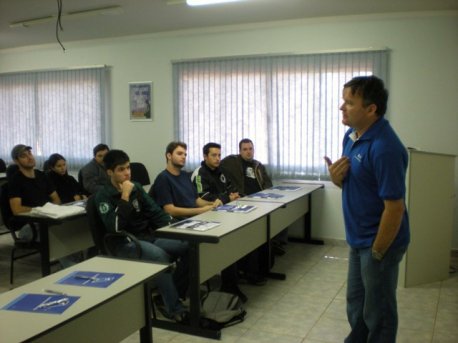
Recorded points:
90,279
195,224
266,195
286,188
235,208
41,303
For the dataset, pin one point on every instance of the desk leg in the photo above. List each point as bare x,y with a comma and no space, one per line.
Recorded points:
194,301
269,274
194,285
146,335
44,253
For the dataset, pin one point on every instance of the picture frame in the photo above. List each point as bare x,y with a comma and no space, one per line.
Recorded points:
140,101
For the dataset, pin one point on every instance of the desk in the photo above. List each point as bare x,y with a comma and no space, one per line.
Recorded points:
296,204
100,315
61,237
213,250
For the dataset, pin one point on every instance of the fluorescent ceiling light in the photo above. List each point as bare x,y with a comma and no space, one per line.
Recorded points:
207,2
111,10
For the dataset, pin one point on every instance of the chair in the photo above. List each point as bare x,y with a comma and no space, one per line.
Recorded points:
80,181
104,241
139,173
2,166
13,224
11,170
46,166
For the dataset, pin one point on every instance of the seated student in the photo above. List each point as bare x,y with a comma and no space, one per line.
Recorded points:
94,174
174,192
247,174
211,184
124,205
250,176
67,187
210,181
28,187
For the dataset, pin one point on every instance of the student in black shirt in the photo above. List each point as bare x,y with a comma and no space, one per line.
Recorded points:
66,186
28,187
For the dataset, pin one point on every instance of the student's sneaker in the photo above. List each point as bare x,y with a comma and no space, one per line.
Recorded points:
182,316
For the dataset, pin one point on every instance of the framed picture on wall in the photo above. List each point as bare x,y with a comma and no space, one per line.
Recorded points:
140,101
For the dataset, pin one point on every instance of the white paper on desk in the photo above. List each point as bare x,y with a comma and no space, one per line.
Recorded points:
54,211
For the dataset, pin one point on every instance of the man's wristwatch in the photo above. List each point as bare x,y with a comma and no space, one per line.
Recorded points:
377,255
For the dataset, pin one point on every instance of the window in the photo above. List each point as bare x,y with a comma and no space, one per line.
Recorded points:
54,111
288,105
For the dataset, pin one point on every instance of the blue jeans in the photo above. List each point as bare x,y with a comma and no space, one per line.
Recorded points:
178,250
371,296
164,282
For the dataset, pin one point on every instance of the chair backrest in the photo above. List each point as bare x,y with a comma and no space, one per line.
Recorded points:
139,173
11,170
80,181
96,226
46,166
5,208
2,166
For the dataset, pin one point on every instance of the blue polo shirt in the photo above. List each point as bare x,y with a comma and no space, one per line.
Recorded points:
378,164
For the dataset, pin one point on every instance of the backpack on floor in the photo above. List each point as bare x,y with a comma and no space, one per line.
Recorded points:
220,310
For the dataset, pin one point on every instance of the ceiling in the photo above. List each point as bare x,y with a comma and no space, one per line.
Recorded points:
152,16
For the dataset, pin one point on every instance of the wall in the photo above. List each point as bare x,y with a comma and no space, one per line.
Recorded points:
423,78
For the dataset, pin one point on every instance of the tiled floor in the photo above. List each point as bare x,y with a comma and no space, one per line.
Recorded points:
309,306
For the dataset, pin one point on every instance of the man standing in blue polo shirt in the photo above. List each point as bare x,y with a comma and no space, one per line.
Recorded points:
371,173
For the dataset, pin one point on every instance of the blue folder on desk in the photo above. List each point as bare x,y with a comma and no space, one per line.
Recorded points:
235,208
266,195
90,279
41,303
286,188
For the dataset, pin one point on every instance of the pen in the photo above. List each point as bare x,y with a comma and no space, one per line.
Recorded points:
54,292
84,277
58,302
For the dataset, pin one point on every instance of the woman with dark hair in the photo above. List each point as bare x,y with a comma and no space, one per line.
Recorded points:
66,186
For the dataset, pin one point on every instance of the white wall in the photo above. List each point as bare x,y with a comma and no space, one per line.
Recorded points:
423,78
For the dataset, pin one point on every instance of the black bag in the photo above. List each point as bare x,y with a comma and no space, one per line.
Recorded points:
220,310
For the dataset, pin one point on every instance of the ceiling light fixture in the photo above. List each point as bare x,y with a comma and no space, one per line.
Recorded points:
111,10
207,2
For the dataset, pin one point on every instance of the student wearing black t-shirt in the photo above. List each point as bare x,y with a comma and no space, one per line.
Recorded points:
28,187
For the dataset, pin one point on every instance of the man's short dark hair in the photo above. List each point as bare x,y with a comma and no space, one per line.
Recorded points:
100,147
372,91
244,141
115,158
208,146
173,145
